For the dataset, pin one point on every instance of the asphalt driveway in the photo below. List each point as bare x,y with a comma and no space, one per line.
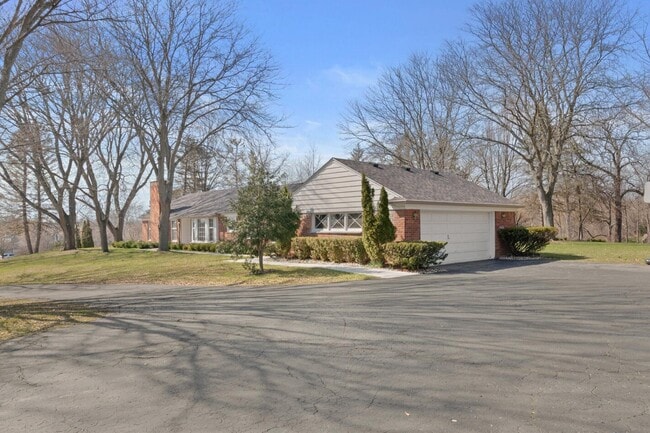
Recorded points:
505,347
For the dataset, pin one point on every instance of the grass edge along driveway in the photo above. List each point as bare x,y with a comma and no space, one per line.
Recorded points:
127,266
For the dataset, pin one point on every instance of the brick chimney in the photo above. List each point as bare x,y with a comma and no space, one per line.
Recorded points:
154,210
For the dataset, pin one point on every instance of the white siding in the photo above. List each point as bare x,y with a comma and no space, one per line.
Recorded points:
335,188
468,234
186,231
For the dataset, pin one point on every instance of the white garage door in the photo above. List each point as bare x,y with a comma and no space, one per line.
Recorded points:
468,234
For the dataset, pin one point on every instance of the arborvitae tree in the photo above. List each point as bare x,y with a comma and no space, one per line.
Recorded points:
87,235
385,227
77,241
264,212
369,233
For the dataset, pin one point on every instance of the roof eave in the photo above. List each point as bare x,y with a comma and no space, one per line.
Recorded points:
457,203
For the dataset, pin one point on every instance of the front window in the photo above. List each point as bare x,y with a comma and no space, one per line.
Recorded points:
204,230
338,222
320,222
174,231
211,230
354,221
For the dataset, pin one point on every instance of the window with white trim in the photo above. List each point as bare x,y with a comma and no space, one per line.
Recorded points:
204,230
337,222
320,222
174,234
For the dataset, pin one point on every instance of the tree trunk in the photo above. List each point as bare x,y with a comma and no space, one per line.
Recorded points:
103,232
165,199
260,256
28,238
618,211
546,201
39,222
69,233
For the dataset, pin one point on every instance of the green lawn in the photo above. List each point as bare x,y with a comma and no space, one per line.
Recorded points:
601,252
127,266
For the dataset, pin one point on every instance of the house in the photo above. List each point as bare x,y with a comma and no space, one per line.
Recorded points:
195,218
424,205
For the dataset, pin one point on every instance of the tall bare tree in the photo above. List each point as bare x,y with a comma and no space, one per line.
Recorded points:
410,117
19,20
494,166
541,69
613,146
194,73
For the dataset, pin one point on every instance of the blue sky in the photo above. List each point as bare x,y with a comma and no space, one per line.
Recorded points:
330,51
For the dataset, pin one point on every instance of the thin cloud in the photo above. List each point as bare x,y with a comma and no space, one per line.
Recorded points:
354,77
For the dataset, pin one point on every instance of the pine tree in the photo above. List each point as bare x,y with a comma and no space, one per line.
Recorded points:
264,212
87,235
369,228
385,227
77,232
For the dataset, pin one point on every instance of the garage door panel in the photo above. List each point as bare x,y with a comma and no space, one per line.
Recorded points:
467,233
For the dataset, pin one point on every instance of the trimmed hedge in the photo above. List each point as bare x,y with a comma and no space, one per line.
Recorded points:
135,244
337,250
526,241
414,255
222,247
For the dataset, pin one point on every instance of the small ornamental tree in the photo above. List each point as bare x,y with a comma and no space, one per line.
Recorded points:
264,213
77,241
385,227
87,235
369,233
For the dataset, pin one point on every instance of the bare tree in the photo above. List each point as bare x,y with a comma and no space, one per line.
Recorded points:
300,169
21,19
494,166
613,147
409,117
18,165
541,69
194,72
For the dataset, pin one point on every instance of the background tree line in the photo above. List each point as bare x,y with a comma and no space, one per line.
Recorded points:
99,98
541,100
546,101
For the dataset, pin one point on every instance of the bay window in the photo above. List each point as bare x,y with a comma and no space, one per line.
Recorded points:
204,230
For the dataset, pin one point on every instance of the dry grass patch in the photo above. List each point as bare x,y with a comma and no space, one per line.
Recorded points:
20,316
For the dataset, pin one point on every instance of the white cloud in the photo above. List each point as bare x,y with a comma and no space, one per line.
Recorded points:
312,125
354,77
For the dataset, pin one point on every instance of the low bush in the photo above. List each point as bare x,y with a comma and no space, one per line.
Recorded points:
135,244
300,248
414,255
334,249
526,241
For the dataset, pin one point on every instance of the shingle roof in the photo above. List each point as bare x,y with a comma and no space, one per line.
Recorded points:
414,184
207,203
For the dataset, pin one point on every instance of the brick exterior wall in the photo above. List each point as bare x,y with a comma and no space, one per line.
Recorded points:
223,233
304,229
144,234
154,211
502,220
407,224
